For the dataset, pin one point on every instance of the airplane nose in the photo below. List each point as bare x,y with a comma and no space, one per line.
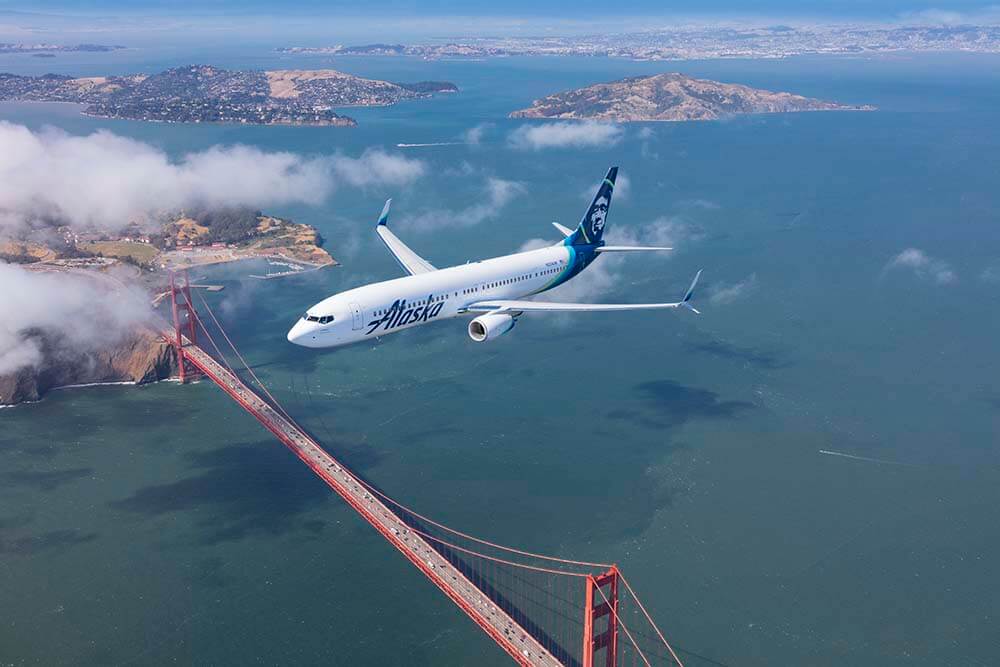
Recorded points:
297,334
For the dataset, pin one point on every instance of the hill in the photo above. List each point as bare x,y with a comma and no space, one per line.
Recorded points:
203,93
669,97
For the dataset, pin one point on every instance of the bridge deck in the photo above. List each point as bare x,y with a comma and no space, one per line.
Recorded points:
492,619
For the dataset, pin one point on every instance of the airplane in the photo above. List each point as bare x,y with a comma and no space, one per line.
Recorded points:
497,288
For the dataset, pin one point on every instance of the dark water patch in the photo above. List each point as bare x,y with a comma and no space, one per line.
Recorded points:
210,573
423,435
356,453
12,523
357,457
637,501
257,488
52,540
635,417
27,448
746,355
314,526
43,452
676,404
299,360
46,480
57,420
137,412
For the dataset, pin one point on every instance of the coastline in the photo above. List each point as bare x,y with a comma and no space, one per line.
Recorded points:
88,385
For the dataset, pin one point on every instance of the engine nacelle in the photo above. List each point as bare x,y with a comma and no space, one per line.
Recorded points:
489,326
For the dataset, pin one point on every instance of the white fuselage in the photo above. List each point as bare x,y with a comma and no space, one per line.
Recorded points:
393,305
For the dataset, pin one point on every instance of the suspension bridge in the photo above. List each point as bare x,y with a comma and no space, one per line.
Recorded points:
542,610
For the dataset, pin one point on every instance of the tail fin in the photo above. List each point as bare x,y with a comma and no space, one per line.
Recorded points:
591,229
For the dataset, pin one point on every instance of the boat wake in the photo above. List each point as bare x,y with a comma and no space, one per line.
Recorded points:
436,143
864,458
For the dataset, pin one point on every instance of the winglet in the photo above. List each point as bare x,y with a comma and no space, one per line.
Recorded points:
686,301
383,220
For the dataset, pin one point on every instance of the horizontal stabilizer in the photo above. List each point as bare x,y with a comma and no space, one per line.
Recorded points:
628,248
565,231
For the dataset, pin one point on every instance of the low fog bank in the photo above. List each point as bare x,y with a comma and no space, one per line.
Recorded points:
106,181
84,314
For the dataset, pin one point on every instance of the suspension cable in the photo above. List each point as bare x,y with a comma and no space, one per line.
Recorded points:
494,559
614,613
245,364
651,622
478,540
208,335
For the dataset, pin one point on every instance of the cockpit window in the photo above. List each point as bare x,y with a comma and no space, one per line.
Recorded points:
326,319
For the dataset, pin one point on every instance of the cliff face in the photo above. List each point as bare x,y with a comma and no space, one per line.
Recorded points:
666,97
140,357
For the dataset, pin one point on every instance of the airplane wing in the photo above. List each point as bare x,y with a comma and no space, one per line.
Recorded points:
506,305
411,262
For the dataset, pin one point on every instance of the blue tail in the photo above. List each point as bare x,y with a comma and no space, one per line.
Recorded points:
591,229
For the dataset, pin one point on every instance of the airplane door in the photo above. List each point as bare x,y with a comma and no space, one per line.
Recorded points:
356,315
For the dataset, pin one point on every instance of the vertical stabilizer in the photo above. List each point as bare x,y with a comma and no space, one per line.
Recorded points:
591,229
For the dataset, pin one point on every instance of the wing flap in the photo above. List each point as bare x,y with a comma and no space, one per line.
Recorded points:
411,262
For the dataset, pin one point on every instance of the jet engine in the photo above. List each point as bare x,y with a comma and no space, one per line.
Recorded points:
489,326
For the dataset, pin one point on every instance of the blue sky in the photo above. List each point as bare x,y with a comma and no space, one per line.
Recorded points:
314,22
873,9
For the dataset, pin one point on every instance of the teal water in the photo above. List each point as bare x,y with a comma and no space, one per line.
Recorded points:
144,526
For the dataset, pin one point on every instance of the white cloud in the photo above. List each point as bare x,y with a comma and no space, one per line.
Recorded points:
666,230
705,204
596,281
565,135
623,187
991,274
83,312
604,276
376,167
986,15
923,266
723,293
474,135
106,180
497,194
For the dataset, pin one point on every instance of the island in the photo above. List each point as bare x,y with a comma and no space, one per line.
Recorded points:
7,47
207,94
670,97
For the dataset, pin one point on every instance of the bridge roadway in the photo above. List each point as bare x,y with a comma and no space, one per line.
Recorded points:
494,621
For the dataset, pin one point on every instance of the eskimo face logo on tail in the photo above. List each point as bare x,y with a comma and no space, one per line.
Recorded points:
399,314
599,215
